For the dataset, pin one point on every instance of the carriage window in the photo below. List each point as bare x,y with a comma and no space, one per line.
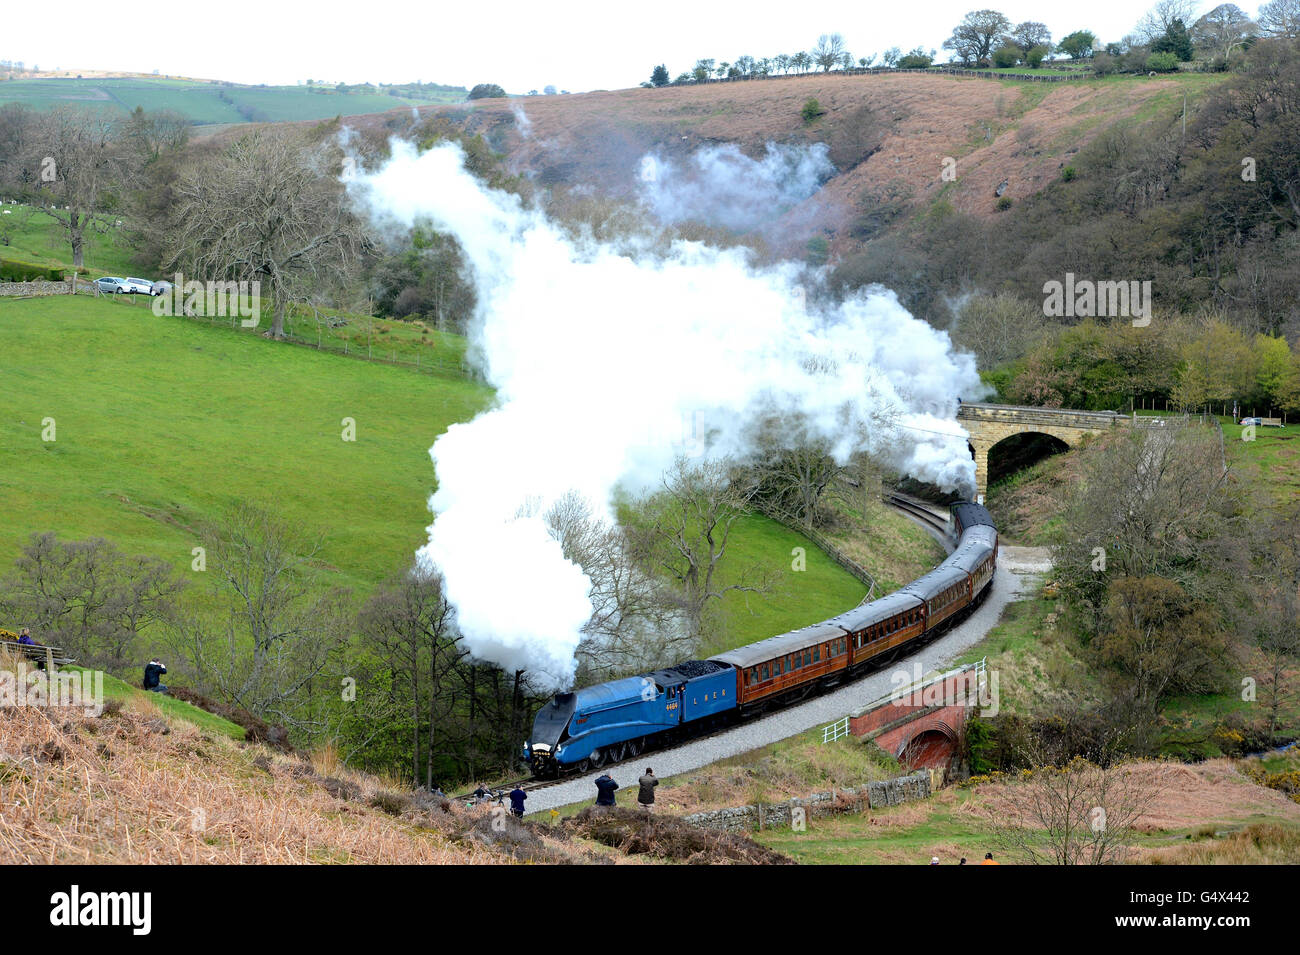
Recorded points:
787,664
764,671
807,658
798,660
817,654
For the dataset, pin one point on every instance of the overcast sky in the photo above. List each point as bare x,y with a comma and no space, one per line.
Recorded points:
572,44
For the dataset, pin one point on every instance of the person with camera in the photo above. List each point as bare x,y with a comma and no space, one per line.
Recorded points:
152,671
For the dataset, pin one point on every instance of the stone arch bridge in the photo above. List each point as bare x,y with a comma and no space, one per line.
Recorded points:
990,425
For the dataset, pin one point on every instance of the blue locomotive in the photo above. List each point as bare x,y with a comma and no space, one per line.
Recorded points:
611,721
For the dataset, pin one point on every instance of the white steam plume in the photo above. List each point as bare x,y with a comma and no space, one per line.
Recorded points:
721,186
522,122
608,365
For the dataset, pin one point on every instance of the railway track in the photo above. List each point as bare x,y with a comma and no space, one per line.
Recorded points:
923,511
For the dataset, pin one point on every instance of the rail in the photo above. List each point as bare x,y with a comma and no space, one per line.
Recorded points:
916,509
837,730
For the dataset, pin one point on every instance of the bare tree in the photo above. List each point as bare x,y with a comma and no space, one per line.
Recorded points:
636,623
151,134
1078,814
977,34
685,531
79,164
829,50
275,626
1149,502
88,598
1157,21
410,625
1031,34
1224,29
1272,615
1278,635
268,209
18,129
792,481
997,328
1281,18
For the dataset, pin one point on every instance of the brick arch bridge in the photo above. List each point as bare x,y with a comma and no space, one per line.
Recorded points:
922,724
989,425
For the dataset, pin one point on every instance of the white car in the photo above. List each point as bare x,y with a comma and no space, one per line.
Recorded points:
139,286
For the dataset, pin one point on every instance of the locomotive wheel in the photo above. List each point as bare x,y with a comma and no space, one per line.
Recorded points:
597,758
634,747
583,765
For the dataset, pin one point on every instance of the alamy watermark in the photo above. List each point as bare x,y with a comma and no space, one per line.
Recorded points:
242,300
1085,298
960,688
27,686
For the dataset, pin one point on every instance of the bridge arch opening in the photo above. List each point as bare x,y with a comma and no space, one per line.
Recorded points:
1019,451
930,749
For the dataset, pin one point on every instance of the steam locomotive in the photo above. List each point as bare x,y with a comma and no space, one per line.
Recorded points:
612,721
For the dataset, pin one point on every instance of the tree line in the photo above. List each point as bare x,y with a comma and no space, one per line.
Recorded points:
1168,34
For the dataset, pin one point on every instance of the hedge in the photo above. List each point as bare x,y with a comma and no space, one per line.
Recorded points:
14,271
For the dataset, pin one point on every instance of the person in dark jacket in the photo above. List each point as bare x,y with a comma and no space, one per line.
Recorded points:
154,669
517,797
605,787
25,638
648,782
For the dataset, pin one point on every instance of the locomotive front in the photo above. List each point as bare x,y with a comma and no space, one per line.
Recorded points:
542,749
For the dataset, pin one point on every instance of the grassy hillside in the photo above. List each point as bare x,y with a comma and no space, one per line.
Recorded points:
31,235
795,598
204,102
160,422
886,135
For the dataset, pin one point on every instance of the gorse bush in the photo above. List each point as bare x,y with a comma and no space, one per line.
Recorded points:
811,110
1162,62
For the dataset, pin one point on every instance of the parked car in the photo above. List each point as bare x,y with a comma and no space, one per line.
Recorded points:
161,287
139,286
110,284
1259,422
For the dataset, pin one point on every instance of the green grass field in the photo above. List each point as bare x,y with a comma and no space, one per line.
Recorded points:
210,102
162,422
795,599
31,235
